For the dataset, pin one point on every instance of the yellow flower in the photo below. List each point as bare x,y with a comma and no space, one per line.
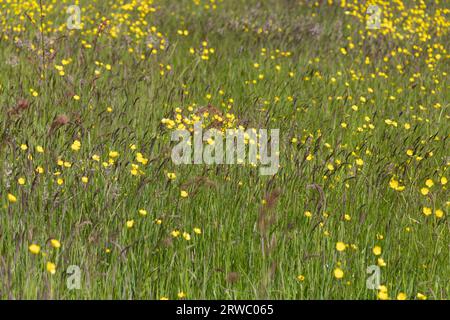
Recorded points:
429,183
51,267
95,157
39,149
175,233
181,295
359,162
171,175
340,246
140,158
421,296
143,212
23,147
301,277
381,262
308,214
60,181
401,296
424,191
376,250
34,248
130,224
12,198
21,181
383,295
183,194
84,179
76,97
439,213
163,298
338,273
76,145
443,180
186,236
113,154
197,231
55,243
393,183
426,211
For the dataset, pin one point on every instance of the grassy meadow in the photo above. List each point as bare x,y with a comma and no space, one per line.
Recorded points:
87,180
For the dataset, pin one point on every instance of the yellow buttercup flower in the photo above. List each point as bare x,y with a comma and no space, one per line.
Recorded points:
113,154
51,267
340,246
439,213
401,296
76,145
421,296
383,295
55,243
381,262
338,273
184,194
376,250
34,248
186,236
130,224
426,211
171,175
12,198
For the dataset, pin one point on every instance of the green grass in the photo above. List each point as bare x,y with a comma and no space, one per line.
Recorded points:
234,257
